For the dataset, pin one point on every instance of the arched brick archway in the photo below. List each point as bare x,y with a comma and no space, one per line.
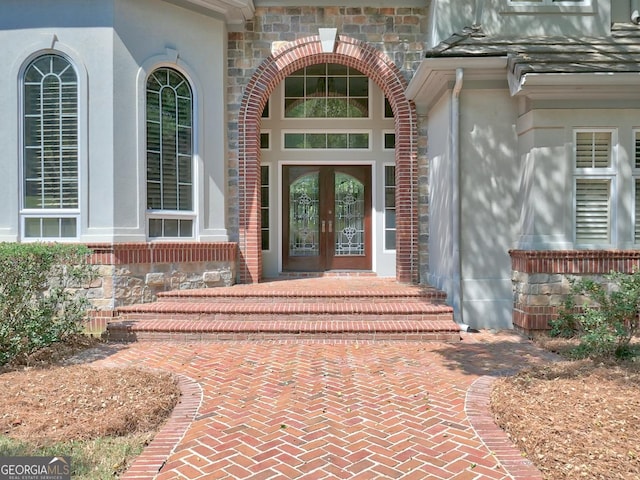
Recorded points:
377,66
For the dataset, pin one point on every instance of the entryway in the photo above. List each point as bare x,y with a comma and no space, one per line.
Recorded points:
326,217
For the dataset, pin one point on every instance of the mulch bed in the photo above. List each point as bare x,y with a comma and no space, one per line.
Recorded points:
574,419
46,404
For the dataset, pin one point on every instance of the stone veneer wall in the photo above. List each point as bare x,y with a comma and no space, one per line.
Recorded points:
542,279
398,32
131,273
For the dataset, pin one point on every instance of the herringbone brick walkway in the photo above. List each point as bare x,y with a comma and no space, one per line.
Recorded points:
332,410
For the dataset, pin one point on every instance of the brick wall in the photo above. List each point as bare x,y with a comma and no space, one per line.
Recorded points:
386,43
542,279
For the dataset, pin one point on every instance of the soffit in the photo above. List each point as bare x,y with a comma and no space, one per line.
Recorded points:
233,11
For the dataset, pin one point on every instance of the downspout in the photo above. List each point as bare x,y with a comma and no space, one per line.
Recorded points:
635,11
455,197
477,22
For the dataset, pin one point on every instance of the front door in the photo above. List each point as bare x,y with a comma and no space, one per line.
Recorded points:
327,218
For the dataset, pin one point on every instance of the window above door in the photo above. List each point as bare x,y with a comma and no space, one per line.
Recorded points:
326,90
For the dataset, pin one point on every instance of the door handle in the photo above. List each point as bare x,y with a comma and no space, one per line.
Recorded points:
323,226
330,226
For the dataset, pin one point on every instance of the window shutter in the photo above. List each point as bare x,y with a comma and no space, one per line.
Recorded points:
637,211
593,211
593,149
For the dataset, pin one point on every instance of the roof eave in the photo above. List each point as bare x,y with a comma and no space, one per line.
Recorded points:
601,85
436,75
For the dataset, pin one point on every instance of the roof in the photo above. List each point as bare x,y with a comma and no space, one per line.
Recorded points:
618,53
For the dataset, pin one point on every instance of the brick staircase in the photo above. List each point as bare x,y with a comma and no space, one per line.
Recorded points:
334,308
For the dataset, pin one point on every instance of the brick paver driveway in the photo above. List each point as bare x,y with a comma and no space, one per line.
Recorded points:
332,410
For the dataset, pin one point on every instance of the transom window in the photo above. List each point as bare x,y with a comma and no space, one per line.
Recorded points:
326,91
328,140
169,154
50,207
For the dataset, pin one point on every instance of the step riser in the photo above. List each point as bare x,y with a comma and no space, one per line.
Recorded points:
283,299
291,317
155,336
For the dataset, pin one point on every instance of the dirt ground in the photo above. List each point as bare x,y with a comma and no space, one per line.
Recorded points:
45,403
574,419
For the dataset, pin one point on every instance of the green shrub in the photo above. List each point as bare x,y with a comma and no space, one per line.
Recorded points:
41,295
607,320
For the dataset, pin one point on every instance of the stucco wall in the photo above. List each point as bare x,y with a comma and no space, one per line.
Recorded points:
549,217
498,18
80,30
114,45
440,269
489,183
149,34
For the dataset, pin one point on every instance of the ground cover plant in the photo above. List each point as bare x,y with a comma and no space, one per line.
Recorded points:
602,315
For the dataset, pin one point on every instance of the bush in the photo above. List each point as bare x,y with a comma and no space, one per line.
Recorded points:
608,318
41,300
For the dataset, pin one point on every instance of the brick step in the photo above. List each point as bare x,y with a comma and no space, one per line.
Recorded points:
362,308
305,292
309,297
282,308
339,327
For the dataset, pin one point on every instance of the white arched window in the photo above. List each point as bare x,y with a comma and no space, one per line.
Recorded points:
169,134
50,180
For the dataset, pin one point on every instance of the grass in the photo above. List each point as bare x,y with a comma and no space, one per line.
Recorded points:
101,458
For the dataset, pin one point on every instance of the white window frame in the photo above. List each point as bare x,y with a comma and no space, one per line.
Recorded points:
384,143
384,209
368,132
283,107
162,214
270,208
608,174
549,6
266,132
54,213
635,171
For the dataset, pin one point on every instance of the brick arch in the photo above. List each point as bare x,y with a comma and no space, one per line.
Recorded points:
273,70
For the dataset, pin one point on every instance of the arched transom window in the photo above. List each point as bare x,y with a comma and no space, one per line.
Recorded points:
169,155
326,90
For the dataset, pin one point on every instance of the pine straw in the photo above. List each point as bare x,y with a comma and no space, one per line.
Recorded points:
574,420
46,405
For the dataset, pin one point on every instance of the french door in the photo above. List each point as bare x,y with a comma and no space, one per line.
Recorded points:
326,217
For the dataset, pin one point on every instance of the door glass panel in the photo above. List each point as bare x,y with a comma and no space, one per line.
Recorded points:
304,214
349,216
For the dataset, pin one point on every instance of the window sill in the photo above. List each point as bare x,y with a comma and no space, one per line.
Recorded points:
548,9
